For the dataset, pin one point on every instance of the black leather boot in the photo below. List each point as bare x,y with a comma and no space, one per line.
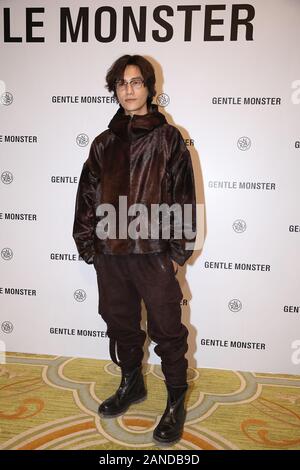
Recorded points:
131,390
169,429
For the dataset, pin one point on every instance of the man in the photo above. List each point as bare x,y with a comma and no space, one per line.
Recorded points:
142,161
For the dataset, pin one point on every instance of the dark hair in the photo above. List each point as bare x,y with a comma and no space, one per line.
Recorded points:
116,72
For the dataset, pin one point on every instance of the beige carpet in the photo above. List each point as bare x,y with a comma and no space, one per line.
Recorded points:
50,402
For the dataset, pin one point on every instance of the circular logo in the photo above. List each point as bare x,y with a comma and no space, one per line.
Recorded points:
6,98
82,140
7,327
6,254
6,177
239,226
79,295
163,100
244,143
235,305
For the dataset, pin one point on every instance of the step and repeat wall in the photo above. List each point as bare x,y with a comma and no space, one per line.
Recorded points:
228,77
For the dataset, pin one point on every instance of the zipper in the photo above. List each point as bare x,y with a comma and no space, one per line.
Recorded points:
129,218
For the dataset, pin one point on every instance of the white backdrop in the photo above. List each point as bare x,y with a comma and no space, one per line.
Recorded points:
241,292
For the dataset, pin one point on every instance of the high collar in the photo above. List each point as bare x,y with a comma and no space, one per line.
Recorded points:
131,128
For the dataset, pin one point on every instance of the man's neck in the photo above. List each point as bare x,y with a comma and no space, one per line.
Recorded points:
133,113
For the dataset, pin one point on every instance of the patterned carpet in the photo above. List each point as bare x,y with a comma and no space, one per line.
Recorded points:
50,402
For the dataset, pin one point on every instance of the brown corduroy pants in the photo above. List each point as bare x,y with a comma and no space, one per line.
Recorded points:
123,281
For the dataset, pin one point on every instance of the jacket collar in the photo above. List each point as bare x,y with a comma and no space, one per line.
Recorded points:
131,128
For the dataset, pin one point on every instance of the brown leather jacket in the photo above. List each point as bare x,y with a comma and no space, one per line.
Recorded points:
145,159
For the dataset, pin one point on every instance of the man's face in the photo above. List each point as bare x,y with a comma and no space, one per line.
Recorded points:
132,98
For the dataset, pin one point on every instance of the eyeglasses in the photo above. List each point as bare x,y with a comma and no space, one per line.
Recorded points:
136,83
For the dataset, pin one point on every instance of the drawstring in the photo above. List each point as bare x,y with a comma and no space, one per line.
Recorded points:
112,351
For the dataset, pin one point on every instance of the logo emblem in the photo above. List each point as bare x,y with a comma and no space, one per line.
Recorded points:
79,295
239,226
6,254
82,140
6,177
6,98
235,305
7,327
244,143
163,100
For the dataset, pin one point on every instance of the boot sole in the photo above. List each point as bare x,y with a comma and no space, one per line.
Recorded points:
163,443
120,413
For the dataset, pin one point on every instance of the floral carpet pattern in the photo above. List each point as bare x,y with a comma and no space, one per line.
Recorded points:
50,402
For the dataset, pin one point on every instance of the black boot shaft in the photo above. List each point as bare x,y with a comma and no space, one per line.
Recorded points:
131,390
170,427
